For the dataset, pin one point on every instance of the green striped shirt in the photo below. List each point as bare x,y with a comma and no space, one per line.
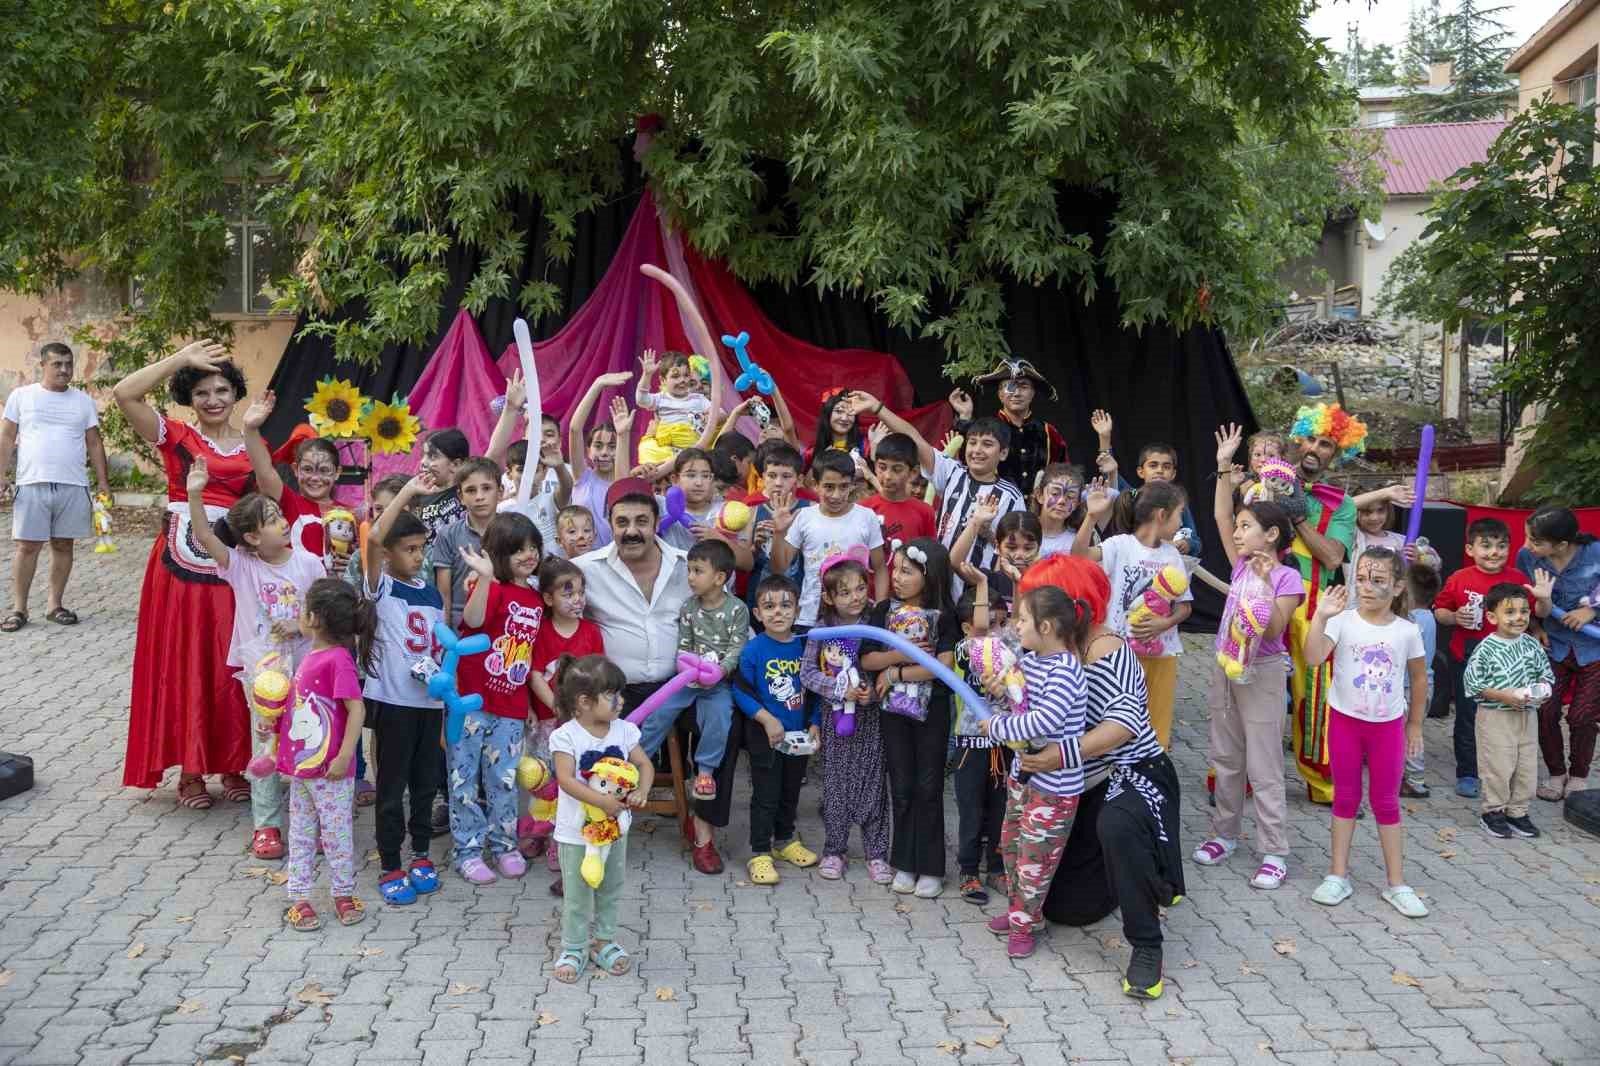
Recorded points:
1507,665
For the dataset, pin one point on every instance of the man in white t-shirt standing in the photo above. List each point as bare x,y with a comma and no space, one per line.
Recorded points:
54,431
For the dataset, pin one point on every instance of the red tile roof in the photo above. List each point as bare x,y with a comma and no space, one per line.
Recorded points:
1416,157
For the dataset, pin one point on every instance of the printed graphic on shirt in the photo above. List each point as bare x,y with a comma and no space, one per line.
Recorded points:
1378,677
510,657
277,601
310,732
1134,579
783,682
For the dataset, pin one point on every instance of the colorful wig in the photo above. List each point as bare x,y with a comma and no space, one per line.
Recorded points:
1077,577
1335,423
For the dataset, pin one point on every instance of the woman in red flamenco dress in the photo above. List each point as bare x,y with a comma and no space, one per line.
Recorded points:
187,707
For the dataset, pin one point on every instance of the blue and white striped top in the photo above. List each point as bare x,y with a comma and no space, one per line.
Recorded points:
1116,694
1057,697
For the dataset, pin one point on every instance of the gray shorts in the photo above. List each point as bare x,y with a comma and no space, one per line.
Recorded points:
49,510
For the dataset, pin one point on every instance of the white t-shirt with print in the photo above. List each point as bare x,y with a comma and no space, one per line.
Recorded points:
816,536
574,740
1369,666
1131,567
690,410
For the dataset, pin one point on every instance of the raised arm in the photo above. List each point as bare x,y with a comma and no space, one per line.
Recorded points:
372,561
642,396
577,454
1097,506
865,401
622,423
785,419
199,521
131,391
506,425
268,482
1400,495
1228,440
477,605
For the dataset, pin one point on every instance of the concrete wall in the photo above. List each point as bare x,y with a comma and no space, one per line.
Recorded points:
1333,256
1570,54
1403,224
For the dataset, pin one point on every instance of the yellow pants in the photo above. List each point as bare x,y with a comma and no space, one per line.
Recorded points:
1308,691
668,440
1161,684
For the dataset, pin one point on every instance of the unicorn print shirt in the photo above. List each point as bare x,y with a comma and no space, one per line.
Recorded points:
310,735
267,600
512,618
1369,666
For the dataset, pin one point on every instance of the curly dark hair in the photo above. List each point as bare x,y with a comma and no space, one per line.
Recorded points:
184,381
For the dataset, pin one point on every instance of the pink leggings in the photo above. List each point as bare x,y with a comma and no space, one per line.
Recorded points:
1382,746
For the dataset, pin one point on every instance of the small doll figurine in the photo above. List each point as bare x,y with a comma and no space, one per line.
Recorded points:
340,526
535,778
103,544
613,777
1240,635
1279,483
909,698
1156,602
837,661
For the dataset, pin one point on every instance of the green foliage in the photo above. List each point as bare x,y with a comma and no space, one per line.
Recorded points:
1370,64
928,145
1474,40
1516,246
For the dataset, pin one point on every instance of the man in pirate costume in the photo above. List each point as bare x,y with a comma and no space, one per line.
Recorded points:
1325,528
1035,443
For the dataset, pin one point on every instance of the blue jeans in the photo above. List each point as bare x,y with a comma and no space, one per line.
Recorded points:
489,748
713,714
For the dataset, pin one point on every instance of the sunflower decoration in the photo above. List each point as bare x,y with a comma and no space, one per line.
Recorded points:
336,408
391,427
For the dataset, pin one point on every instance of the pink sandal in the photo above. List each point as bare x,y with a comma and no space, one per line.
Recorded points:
193,795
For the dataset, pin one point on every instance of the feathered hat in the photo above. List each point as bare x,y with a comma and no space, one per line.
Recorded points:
1006,369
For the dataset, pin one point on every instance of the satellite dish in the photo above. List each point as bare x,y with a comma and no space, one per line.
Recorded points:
1375,230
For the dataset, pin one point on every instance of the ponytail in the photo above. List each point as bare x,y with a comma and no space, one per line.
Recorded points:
1069,616
1557,525
347,619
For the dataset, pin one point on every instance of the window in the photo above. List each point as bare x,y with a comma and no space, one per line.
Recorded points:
1582,90
255,256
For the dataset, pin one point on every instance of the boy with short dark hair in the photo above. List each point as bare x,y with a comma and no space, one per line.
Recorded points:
780,466
1460,605
833,526
1510,675
478,486
904,517
769,694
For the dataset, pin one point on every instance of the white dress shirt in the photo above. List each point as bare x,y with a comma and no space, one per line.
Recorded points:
641,636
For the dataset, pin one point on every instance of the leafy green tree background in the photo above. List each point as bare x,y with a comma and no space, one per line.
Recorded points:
926,143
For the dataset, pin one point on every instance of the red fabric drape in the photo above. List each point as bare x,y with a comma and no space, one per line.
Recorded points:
1516,518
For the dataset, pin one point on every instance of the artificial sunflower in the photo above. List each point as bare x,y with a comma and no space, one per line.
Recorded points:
391,427
336,408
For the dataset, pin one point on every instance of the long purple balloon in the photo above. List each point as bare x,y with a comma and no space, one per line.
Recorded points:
1420,486
690,668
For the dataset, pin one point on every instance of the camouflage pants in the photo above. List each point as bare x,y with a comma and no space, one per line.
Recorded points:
1032,838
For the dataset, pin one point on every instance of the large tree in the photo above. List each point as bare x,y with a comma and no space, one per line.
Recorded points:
1474,41
926,144
1513,241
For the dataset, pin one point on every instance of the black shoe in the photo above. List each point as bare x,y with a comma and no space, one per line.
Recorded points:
1494,823
1417,791
441,816
1144,974
1522,825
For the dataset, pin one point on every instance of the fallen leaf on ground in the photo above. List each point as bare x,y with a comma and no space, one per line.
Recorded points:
1400,977
1173,1012
191,1006
1411,808
1446,834
1245,969
704,907
314,994
372,856
1284,945
901,908
645,827
256,871
741,884
949,1047
1447,855
1191,964
546,1018
1113,943
1592,899
278,877
6,976
367,953
184,919
987,1041
665,994
1263,1045
137,950
458,988
1181,1062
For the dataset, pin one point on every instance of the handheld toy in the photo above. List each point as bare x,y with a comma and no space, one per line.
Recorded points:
103,543
271,691
613,777
1156,602
442,685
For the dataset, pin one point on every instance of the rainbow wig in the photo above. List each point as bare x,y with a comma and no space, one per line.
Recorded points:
1334,422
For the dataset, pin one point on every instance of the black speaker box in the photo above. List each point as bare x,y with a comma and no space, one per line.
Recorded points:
16,774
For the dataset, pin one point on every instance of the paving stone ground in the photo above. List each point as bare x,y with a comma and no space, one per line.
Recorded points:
134,932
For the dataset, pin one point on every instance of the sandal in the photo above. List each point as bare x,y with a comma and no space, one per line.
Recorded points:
612,959
302,916
366,793
235,789
350,909
193,795
574,960
705,787
972,890
14,621
62,616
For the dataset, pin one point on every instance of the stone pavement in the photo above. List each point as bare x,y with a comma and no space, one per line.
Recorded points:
132,931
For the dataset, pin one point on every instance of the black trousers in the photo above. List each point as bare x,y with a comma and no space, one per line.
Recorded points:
914,753
1144,872
408,757
981,804
775,780
1465,734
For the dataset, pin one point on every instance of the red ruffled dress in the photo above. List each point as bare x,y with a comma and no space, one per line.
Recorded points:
187,707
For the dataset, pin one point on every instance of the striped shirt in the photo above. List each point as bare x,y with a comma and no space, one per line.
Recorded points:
1507,665
1057,695
1116,694
958,493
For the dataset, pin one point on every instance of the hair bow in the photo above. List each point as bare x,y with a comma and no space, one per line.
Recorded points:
917,555
856,553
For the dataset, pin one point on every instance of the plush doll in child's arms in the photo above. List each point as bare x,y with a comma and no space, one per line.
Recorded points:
610,776
1156,602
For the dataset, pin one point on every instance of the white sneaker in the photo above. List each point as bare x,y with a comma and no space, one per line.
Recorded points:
1214,851
1333,891
904,883
1404,900
928,887
1271,872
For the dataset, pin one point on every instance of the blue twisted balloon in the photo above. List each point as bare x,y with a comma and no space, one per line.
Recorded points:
751,373
442,685
973,702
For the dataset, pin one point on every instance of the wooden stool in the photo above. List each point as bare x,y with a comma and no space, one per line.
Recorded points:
673,781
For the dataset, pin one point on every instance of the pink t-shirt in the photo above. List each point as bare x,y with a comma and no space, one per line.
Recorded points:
1285,581
264,593
310,735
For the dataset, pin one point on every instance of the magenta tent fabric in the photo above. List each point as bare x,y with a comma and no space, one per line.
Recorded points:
455,390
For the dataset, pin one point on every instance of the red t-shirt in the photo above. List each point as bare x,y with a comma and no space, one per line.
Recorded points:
305,521
551,646
902,520
1467,587
513,619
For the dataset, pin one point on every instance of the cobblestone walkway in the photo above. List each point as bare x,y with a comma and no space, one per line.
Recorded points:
132,931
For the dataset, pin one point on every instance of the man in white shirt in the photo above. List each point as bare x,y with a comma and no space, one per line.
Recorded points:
54,432
634,587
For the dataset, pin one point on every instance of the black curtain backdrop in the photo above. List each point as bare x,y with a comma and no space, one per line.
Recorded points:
1159,384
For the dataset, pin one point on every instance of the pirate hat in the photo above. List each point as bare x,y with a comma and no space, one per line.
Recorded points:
1006,369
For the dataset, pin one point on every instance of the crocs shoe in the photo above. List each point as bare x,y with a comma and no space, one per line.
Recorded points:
511,864
1019,944
831,868
422,875
477,871
1333,891
796,854
1214,851
396,889
1467,787
1270,873
1404,900
879,871
761,870
266,843
1000,924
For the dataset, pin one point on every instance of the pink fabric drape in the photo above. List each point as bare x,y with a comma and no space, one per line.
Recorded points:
455,390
